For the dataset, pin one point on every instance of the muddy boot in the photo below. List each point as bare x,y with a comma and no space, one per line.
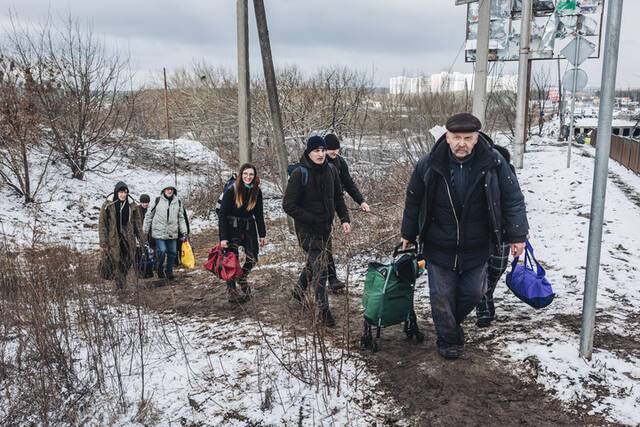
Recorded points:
244,286
327,318
235,297
335,285
449,351
485,312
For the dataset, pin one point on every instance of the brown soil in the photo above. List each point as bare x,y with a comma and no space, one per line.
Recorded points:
477,389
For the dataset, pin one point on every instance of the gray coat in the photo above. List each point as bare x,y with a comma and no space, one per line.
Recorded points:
166,219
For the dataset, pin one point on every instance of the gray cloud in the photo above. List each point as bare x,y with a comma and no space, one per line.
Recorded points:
388,37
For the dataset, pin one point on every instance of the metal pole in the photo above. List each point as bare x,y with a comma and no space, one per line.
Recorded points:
244,111
573,103
605,115
521,103
527,119
272,93
482,56
560,100
166,110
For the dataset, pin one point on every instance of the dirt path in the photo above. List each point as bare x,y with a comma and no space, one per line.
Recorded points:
474,390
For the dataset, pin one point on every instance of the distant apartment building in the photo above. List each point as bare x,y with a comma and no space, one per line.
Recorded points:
447,82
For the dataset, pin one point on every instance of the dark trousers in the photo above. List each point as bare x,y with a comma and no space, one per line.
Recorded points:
497,264
122,266
315,270
331,265
169,248
453,296
251,255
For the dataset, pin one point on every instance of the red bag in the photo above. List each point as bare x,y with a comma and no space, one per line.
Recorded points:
223,263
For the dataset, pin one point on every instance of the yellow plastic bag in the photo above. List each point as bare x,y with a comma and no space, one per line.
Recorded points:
186,256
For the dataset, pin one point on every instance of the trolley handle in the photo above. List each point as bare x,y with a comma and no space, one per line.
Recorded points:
397,251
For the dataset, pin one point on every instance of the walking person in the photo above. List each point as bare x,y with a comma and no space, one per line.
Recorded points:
346,181
119,226
496,266
311,198
461,195
241,224
165,221
142,261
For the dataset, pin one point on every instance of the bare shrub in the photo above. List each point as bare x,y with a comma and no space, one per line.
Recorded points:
84,91
20,131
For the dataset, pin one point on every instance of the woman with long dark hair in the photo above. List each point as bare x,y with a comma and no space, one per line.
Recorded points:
241,223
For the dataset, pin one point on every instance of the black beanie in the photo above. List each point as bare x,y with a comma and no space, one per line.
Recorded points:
144,198
463,122
313,143
332,141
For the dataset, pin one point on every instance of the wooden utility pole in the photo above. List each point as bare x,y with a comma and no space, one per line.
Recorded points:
279,147
244,104
166,111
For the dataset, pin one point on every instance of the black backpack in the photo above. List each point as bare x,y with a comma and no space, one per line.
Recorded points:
230,183
305,172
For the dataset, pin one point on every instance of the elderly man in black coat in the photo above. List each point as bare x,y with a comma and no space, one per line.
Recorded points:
462,198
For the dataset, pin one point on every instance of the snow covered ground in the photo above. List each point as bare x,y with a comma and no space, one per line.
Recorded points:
222,375
558,202
69,208
218,371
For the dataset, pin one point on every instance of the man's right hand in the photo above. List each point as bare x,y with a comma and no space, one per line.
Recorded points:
224,244
405,243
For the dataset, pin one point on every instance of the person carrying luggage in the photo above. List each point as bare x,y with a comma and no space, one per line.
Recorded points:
165,220
496,266
241,224
312,196
461,196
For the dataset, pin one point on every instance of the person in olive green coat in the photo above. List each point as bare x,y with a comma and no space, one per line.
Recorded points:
119,226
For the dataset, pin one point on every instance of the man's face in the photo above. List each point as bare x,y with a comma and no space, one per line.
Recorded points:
168,192
333,153
462,143
145,205
122,195
318,156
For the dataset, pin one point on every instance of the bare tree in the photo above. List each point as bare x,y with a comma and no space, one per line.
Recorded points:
85,92
542,84
20,132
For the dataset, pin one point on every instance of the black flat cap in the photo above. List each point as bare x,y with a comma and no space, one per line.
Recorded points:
463,122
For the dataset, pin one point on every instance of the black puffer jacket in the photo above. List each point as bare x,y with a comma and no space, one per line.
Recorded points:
346,181
312,203
458,236
234,220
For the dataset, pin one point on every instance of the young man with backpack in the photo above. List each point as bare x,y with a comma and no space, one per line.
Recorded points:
333,157
166,222
241,223
119,226
312,196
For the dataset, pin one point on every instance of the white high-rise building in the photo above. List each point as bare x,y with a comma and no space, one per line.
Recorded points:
447,82
408,85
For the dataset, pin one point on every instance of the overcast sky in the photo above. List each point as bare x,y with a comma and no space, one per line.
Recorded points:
386,38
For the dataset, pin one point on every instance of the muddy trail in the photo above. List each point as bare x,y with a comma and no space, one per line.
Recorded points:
477,389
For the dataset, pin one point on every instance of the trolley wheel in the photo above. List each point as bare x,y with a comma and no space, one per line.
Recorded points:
374,346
